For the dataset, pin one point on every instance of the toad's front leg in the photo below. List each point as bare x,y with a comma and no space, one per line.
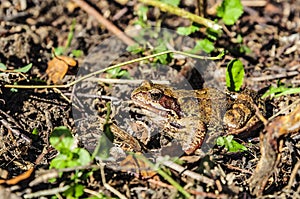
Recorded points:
190,132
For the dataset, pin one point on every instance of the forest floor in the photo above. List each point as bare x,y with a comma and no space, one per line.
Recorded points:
49,136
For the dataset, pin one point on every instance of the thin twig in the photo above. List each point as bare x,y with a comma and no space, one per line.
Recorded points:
95,193
106,23
238,169
113,67
126,81
188,173
85,95
203,194
260,116
47,192
256,3
285,109
277,76
16,132
293,175
165,176
107,186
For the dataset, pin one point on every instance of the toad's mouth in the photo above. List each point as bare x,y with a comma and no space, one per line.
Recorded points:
159,110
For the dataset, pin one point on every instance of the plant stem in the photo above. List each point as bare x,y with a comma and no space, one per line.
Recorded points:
182,13
113,67
165,176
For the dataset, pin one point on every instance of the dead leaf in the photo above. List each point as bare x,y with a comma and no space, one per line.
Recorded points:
269,148
58,67
137,166
18,178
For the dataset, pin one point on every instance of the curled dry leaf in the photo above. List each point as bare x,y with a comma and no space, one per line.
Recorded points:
270,156
58,67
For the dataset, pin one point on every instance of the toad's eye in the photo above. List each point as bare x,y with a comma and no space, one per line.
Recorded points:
156,95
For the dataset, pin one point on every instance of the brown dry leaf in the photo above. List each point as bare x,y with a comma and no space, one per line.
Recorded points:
18,178
58,67
269,147
137,166
285,124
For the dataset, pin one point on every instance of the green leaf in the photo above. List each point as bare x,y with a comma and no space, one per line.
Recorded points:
99,196
244,49
84,156
239,38
61,139
78,190
171,2
205,45
135,49
77,53
280,91
24,69
118,73
35,131
74,192
14,90
59,162
142,14
289,92
163,59
230,11
213,34
221,54
2,66
230,144
187,30
59,50
234,75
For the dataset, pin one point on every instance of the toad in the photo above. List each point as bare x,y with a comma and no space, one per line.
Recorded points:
187,115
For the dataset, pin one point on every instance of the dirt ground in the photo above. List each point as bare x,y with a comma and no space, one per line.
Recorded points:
30,29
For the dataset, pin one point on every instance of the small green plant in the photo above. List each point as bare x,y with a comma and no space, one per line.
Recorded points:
230,11
234,75
205,44
160,45
23,69
118,73
280,90
35,132
187,30
135,49
60,50
230,144
142,16
75,191
69,156
163,59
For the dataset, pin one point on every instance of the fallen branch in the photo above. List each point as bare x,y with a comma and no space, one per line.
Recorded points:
106,23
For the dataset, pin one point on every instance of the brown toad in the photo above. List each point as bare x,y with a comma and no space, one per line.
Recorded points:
187,115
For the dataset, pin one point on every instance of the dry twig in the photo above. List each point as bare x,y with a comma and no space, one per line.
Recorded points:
106,23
